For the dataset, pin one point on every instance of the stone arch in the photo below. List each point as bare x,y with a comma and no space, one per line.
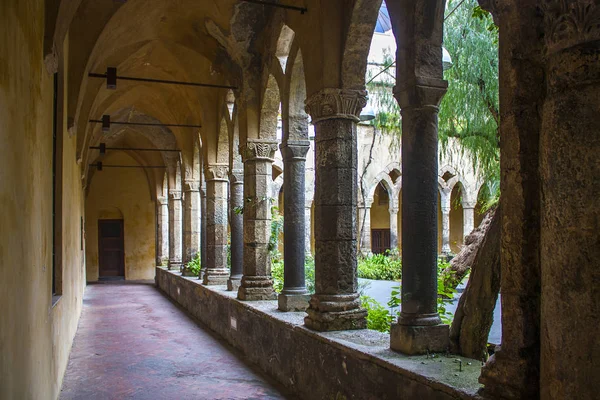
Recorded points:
295,118
284,44
383,178
358,43
110,213
270,110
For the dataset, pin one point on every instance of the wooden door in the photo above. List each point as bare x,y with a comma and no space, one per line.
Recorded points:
380,240
111,248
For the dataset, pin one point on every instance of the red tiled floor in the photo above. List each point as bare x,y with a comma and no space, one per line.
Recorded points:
133,343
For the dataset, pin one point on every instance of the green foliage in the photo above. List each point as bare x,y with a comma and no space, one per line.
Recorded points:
380,266
469,112
379,318
277,268
194,265
276,228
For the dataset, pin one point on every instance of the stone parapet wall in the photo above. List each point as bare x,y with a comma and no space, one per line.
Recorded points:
332,365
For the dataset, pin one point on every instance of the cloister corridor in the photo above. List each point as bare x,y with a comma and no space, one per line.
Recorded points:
133,343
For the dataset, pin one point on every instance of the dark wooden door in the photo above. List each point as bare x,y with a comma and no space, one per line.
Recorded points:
380,240
111,247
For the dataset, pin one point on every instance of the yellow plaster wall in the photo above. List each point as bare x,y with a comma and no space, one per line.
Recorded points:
456,222
126,190
35,336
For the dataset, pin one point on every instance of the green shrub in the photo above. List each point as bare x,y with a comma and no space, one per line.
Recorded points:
387,267
277,273
194,265
379,318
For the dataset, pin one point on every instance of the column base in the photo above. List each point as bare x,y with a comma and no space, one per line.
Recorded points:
335,313
256,288
215,276
293,302
233,284
175,266
506,378
412,339
186,272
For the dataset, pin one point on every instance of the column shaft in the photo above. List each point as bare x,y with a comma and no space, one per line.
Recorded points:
216,271
203,238
257,283
445,197
294,296
236,224
468,218
364,225
191,224
162,231
175,227
393,229
308,231
336,304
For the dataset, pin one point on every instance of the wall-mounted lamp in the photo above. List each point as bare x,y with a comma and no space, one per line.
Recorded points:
446,59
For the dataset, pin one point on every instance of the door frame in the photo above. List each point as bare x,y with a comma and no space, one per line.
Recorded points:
122,224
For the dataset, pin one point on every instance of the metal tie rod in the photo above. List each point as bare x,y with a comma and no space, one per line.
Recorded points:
106,122
103,148
268,3
100,166
111,80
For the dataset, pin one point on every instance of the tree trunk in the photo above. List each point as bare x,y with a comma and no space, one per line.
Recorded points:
462,262
475,312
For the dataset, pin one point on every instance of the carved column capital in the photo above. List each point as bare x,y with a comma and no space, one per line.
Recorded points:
469,204
294,150
420,93
569,23
332,103
175,194
258,149
162,200
191,186
393,210
236,176
216,172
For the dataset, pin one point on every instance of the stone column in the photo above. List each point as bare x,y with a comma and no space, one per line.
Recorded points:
570,202
175,256
294,296
191,223
308,229
336,304
445,206
203,239
393,228
236,224
364,224
468,217
514,370
257,155
216,271
162,231
419,328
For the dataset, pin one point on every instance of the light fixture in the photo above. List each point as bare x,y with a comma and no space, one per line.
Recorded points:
446,59
367,114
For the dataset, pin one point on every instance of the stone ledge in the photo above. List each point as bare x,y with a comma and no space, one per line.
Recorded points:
344,364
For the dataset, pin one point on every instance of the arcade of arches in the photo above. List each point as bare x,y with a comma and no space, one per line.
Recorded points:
179,167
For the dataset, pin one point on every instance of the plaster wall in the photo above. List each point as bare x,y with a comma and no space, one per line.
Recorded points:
380,215
35,344
116,192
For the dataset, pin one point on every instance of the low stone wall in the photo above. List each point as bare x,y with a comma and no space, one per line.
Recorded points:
331,365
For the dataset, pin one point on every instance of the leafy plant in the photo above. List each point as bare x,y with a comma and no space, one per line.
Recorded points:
194,265
380,266
277,268
379,318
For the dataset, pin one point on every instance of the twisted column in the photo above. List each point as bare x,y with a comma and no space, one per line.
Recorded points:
236,224
257,155
175,256
335,304
216,271
294,296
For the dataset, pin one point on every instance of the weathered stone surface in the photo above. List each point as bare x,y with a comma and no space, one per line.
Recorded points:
175,230
191,223
216,271
236,224
162,231
348,364
293,296
293,302
411,339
